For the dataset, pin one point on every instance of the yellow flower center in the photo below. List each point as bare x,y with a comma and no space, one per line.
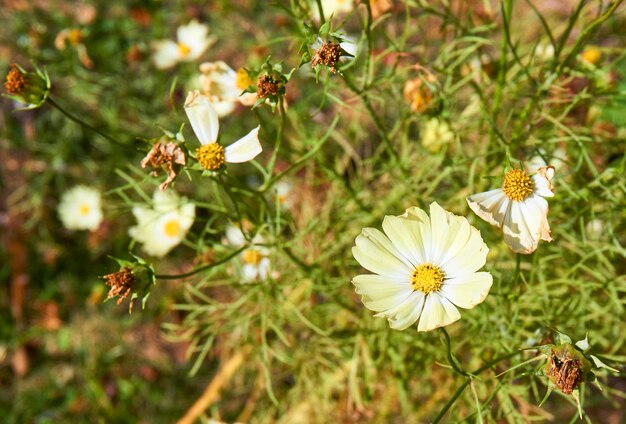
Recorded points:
15,80
243,80
84,209
517,185
183,49
252,257
427,278
591,55
75,36
210,156
171,228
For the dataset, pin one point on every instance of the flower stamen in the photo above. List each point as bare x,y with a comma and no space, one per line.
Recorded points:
210,156
171,228
517,185
252,257
427,278
183,49
243,80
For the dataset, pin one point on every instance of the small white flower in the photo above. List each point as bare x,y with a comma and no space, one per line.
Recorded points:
426,266
435,134
81,209
284,191
192,41
164,226
519,207
255,260
224,87
205,123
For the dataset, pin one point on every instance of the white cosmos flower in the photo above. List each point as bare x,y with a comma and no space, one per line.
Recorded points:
519,207
192,41
224,86
81,209
164,226
435,134
425,267
205,123
255,260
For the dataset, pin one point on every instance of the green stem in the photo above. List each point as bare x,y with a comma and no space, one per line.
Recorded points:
453,361
321,10
469,378
202,268
81,122
279,139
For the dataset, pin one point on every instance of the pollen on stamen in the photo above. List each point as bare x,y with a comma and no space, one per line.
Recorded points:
427,278
517,185
210,156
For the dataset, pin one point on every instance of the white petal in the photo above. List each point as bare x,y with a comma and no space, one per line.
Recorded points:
165,54
469,259
375,253
439,231
379,293
409,313
421,232
459,234
543,181
203,117
404,234
526,224
490,205
467,291
244,149
438,312
195,36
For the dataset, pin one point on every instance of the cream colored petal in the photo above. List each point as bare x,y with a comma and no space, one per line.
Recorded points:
235,236
203,117
374,252
467,291
224,108
403,234
438,312
527,224
195,36
490,205
421,232
458,236
469,259
380,293
410,312
165,54
543,181
245,149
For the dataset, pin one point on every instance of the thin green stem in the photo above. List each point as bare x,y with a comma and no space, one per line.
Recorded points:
278,142
202,268
453,361
81,122
321,11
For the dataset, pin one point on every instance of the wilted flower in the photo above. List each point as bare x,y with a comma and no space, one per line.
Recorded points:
436,134
75,38
328,54
134,279
426,266
80,208
205,123
192,41
164,156
519,207
268,86
30,88
418,94
223,86
379,7
255,259
164,226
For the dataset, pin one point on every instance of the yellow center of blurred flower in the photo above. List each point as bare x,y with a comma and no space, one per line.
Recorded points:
183,49
591,55
252,257
210,156
243,80
171,228
517,185
74,36
84,209
427,278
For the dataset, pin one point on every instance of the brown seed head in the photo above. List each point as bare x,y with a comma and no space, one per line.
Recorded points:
327,55
164,156
267,86
121,283
565,368
15,80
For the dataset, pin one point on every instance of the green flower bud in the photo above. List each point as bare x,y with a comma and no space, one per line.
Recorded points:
30,88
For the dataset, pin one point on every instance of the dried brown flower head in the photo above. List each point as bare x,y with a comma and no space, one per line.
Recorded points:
327,55
15,80
417,94
164,156
121,283
566,367
267,86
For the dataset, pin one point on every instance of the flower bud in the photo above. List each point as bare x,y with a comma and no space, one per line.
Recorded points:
566,367
134,279
30,88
